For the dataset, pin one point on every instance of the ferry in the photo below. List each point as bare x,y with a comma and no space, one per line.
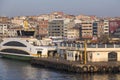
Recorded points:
25,48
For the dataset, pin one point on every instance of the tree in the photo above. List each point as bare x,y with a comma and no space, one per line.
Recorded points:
103,38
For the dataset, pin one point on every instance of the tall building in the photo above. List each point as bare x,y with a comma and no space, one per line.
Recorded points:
106,27
60,27
95,29
86,30
100,28
56,28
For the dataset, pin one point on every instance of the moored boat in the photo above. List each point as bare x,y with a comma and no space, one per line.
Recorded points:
24,48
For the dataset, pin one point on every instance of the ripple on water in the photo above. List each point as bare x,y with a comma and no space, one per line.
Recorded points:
16,70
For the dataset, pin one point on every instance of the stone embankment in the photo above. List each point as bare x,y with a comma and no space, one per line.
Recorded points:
76,66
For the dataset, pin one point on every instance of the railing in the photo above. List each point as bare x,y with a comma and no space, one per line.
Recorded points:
81,45
91,45
101,45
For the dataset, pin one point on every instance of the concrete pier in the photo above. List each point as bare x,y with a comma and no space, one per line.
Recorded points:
76,66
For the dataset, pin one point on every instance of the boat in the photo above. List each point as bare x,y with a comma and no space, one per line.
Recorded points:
25,48
25,32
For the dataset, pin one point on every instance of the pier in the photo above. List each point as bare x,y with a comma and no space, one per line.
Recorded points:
76,66
84,58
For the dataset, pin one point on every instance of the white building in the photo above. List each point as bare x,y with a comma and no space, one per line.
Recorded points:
106,27
12,32
3,29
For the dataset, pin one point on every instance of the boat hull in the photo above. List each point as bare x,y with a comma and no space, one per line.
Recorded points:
17,57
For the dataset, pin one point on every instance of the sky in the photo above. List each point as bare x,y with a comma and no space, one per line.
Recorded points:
101,8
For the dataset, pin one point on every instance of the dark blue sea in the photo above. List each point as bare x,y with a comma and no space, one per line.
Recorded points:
17,70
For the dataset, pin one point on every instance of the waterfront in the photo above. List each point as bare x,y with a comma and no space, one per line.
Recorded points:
16,70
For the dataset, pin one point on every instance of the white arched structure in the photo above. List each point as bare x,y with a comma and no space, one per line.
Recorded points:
27,45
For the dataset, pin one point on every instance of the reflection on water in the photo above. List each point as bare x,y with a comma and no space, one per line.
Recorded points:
16,70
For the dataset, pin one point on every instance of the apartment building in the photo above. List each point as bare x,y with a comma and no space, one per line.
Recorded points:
95,28
100,28
17,21
73,33
43,28
3,29
60,27
56,28
106,27
86,30
4,19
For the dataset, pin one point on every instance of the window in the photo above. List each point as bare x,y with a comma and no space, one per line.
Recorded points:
14,43
98,54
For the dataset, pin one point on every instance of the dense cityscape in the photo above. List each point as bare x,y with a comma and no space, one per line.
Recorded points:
59,40
64,42
70,27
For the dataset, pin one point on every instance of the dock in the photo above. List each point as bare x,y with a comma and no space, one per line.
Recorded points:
76,66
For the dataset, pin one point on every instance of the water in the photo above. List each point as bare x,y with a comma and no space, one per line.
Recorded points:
17,70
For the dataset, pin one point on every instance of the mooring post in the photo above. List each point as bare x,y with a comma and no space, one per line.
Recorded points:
85,46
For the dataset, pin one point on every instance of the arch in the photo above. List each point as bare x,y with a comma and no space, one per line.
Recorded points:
91,68
112,56
14,43
15,51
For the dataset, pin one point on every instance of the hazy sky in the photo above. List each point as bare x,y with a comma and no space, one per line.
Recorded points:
36,7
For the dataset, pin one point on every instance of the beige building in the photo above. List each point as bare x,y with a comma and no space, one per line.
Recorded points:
12,31
100,28
43,17
43,28
3,29
103,27
94,52
73,33
17,21
4,19
86,17
87,29
59,27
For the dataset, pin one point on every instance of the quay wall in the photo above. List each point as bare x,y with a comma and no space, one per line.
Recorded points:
77,67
